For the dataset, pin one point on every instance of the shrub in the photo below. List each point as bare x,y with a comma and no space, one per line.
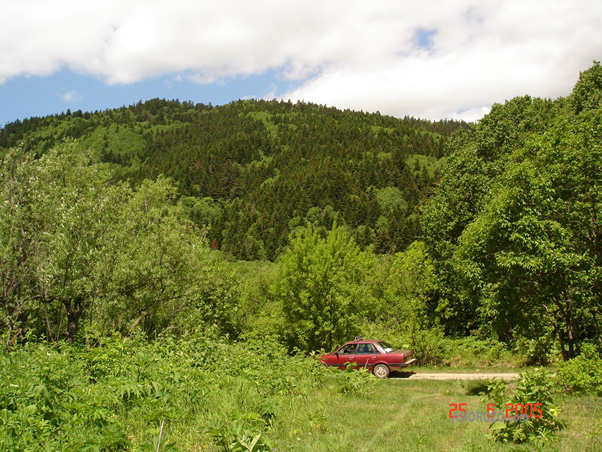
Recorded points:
241,436
429,347
469,351
355,382
537,351
582,374
116,394
46,399
533,388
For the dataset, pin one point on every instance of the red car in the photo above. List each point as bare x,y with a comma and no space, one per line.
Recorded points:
377,356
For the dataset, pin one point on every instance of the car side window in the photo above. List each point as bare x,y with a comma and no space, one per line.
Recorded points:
367,349
348,350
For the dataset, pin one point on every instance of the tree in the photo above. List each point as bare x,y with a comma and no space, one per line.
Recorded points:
155,264
319,286
408,290
75,245
64,206
477,159
534,254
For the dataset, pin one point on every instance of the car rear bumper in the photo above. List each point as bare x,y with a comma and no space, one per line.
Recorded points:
400,366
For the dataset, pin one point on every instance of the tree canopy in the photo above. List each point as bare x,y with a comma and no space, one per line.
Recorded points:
142,217
515,224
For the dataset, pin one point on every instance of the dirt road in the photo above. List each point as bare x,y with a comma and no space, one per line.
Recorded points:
454,376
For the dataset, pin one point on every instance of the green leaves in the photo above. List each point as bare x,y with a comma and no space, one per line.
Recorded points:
114,395
514,228
587,94
320,288
532,399
582,374
75,246
531,243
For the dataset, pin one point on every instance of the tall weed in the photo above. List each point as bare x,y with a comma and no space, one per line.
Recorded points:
582,374
113,394
537,418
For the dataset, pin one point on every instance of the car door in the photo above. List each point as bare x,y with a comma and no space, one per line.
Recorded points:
367,355
345,354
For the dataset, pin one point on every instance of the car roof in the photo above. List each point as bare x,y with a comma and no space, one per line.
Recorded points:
362,342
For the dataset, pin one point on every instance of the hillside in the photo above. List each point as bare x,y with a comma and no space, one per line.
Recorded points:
507,213
256,171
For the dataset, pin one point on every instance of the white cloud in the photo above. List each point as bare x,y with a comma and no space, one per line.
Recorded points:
346,53
71,97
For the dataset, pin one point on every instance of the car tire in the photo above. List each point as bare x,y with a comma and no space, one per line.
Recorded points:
381,371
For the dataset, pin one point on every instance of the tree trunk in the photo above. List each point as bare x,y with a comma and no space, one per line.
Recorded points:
571,329
565,355
74,309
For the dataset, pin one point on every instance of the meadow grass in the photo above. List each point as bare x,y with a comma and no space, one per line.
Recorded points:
414,415
209,394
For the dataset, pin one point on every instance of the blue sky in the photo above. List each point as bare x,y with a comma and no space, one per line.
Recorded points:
433,59
26,96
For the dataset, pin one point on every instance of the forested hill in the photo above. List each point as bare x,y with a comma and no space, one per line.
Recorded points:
255,171
510,241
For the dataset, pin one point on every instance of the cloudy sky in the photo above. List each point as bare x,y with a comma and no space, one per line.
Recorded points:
429,59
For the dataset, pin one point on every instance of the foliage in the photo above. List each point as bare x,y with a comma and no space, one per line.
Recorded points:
534,387
77,248
45,402
370,223
513,229
587,94
475,352
358,382
543,260
408,288
582,374
114,395
56,211
237,437
540,350
279,223
248,169
320,289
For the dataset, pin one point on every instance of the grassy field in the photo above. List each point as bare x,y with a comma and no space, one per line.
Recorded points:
414,415
212,395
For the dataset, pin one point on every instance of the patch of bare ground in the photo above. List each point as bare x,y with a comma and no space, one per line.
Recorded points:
454,376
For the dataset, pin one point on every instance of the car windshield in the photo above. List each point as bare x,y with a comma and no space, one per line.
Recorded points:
388,348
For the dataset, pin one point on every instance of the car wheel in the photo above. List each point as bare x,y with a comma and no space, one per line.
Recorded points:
381,371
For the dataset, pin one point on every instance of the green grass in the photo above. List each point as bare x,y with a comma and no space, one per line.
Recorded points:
115,397
414,415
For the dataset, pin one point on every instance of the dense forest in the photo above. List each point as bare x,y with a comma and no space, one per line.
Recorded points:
514,227
308,223
254,171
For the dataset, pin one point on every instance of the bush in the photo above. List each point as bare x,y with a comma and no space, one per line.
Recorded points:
356,382
430,347
536,351
116,394
46,399
533,391
582,374
471,351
